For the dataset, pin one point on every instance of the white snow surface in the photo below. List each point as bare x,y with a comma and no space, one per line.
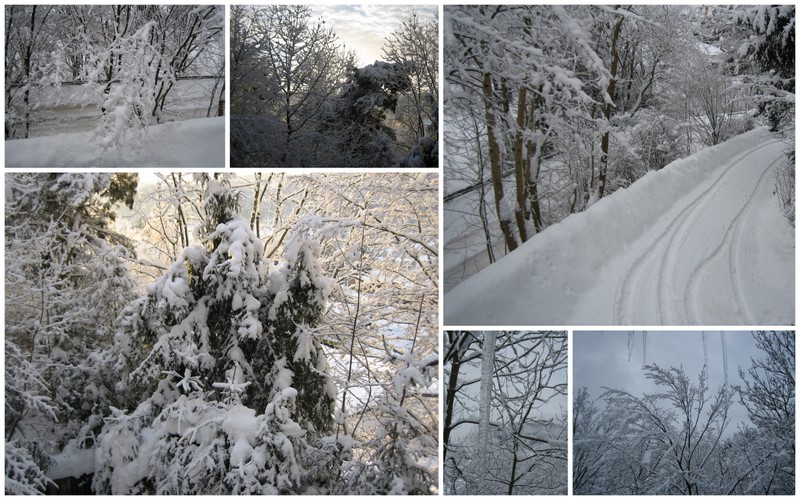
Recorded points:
196,143
701,241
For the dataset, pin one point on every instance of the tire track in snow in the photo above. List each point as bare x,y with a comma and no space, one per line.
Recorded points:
634,278
731,241
635,273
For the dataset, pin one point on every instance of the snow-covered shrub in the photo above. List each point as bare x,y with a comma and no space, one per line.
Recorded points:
129,102
24,474
784,186
196,446
424,155
26,408
625,163
252,140
656,140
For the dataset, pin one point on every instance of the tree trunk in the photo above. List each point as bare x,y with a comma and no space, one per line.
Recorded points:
607,111
450,396
27,70
519,169
532,164
497,170
514,460
482,196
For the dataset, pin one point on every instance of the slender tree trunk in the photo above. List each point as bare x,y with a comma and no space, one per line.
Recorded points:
532,164
450,397
519,168
482,195
255,215
607,111
26,97
497,169
514,460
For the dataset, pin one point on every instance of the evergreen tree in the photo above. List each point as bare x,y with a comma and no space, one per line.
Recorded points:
359,113
772,48
224,377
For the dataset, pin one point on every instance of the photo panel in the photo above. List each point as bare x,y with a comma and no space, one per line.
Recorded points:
628,165
334,86
109,86
219,333
505,413
683,413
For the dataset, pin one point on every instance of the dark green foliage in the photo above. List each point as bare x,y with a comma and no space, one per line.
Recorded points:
217,318
358,115
372,91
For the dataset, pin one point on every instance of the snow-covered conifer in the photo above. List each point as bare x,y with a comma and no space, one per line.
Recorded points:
218,359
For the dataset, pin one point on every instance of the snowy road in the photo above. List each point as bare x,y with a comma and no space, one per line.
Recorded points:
700,242
687,271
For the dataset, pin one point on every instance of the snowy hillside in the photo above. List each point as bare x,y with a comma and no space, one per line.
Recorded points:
191,143
701,241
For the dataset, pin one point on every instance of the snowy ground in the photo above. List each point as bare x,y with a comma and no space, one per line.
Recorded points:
191,143
700,242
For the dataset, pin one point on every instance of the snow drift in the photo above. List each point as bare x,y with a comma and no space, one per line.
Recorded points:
196,143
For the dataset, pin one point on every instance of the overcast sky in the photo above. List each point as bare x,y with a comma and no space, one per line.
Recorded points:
472,371
363,28
600,359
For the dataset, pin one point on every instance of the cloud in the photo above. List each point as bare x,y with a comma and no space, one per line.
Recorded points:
364,28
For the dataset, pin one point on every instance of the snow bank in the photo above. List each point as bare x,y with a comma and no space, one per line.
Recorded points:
196,143
551,271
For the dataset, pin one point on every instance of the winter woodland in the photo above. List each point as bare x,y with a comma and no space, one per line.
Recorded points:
505,413
96,85
183,334
625,131
298,98
688,427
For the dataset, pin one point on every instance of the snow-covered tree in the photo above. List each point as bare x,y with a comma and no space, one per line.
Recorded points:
523,93
149,47
221,369
356,118
768,394
124,58
25,38
670,438
415,44
771,46
65,283
400,447
519,444
679,440
285,67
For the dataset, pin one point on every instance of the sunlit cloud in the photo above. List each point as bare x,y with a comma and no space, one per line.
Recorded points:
364,28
